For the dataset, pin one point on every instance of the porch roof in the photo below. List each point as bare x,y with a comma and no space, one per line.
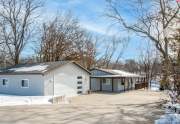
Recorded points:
117,76
115,73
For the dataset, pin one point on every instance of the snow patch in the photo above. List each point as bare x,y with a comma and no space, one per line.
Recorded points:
31,68
169,119
13,100
24,100
155,86
125,74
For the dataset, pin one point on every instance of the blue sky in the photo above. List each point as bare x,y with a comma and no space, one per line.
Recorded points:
91,17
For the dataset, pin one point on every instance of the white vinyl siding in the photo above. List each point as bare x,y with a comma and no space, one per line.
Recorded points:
66,79
14,85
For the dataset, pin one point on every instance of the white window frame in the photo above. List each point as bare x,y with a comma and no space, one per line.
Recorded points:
7,83
28,83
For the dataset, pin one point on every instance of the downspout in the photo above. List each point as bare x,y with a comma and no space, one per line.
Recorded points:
53,101
53,84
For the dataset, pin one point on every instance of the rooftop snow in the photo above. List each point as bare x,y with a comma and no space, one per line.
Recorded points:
116,73
36,68
42,68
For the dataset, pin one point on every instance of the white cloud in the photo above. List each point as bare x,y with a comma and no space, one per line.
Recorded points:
98,28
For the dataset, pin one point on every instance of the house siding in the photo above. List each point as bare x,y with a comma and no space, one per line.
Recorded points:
36,85
117,82
65,81
118,87
95,84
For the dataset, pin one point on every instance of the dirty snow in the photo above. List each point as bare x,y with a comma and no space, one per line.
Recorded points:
31,68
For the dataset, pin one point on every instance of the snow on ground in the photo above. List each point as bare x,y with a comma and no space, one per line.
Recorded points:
155,86
11,100
169,119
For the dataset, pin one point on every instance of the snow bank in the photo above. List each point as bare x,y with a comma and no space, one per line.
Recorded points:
12,100
169,119
24,100
155,86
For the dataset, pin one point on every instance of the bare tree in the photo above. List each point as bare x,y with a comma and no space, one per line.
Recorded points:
149,62
154,20
108,49
64,39
16,20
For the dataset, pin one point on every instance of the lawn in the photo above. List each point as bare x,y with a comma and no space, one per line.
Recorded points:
133,107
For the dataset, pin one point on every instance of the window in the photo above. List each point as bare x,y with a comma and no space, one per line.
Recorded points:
4,82
107,81
25,83
79,82
79,87
79,77
79,92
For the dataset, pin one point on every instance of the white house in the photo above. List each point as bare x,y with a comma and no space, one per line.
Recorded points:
115,80
45,79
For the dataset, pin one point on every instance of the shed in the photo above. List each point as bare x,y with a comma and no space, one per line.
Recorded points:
45,79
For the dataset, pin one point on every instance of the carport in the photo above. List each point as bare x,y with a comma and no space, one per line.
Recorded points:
102,80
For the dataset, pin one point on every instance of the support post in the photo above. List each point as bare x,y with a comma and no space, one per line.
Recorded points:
124,84
131,83
100,84
112,82
89,83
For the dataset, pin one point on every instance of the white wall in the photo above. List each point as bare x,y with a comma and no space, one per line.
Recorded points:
36,87
65,80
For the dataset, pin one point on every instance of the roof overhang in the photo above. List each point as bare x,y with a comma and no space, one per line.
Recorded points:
116,76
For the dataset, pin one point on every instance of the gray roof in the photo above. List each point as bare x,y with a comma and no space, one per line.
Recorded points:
36,68
115,73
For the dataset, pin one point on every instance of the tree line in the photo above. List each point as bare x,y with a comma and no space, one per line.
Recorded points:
157,21
63,38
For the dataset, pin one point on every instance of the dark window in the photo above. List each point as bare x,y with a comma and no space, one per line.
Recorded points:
122,83
79,77
79,92
79,87
104,81
25,83
79,82
4,82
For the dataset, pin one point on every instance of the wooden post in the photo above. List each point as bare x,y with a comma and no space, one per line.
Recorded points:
101,84
124,84
131,83
90,83
112,82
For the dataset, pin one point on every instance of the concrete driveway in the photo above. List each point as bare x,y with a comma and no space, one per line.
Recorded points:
134,107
